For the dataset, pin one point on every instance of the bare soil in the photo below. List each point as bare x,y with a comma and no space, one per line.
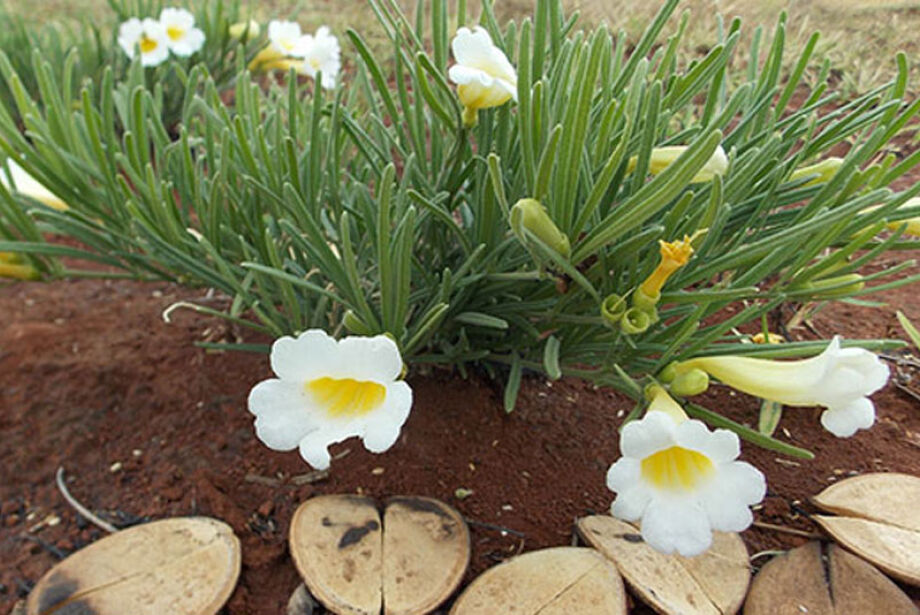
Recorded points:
149,426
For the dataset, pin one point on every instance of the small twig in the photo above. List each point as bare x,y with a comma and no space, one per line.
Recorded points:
786,530
80,508
497,528
907,390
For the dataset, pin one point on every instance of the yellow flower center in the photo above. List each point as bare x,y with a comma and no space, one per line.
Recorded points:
676,469
148,44
175,32
287,44
345,397
314,62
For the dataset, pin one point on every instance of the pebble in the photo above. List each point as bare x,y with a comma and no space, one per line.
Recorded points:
378,471
266,508
115,467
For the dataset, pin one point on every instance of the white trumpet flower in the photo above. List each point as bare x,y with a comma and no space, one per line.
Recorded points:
329,390
321,54
183,38
681,481
147,36
483,74
840,379
25,184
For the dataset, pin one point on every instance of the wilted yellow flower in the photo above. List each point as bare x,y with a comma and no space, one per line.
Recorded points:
674,255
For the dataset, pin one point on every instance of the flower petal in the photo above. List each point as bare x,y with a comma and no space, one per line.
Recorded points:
624,473
382,429
630,504
641,438
719,446
282,416
303,357
844,421
676,524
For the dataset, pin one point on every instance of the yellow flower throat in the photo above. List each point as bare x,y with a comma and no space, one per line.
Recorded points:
345,397
174,32
676,469
148,44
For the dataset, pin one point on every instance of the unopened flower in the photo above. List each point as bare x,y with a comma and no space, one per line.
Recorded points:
147,36
912,225
822,171
530,215
674,255
840,379
12,266
245,30
680,480
483,74
182,37
319,53
327,391
663,157
25,184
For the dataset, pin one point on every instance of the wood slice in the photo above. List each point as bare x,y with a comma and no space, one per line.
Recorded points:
426,550
562,580
187,565
798,582
893,549
714,583
336,543
791,584
886,497
857,588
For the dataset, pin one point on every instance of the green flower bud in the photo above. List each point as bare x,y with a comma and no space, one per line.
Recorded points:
645,302
635,321
531,215
669,373
355,325
829,288
613,308
825,170
690,383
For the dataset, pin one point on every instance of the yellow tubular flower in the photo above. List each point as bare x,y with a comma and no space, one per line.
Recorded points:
674,255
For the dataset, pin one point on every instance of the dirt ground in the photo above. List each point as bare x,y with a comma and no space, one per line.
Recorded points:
147,426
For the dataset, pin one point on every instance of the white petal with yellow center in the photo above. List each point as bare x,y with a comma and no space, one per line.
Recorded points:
284,36
329,390
321,54
183,38
483,74
682,481
149,37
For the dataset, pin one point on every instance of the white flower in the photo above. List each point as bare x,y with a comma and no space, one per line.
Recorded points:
284,36
149,36
329,390
183,38
681,481
840,379
25,184
483,73
320,53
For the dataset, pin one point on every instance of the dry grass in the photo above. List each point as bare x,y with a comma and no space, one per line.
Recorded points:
860,37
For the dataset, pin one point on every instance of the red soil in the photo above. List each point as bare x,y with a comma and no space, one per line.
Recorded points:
149,426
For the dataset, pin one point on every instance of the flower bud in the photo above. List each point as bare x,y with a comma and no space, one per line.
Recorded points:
355,325
663,157
635,321
825,170
529,214
689,383
18,272
830,288
245,30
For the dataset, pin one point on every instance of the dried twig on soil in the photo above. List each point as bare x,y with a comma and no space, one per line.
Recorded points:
80,508
787,530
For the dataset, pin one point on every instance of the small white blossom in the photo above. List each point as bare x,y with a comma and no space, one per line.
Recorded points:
321,54
840,379
681,481
284,36
327,391
484,76
148,36
183,38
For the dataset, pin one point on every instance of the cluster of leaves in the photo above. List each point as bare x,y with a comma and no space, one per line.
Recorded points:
373,210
